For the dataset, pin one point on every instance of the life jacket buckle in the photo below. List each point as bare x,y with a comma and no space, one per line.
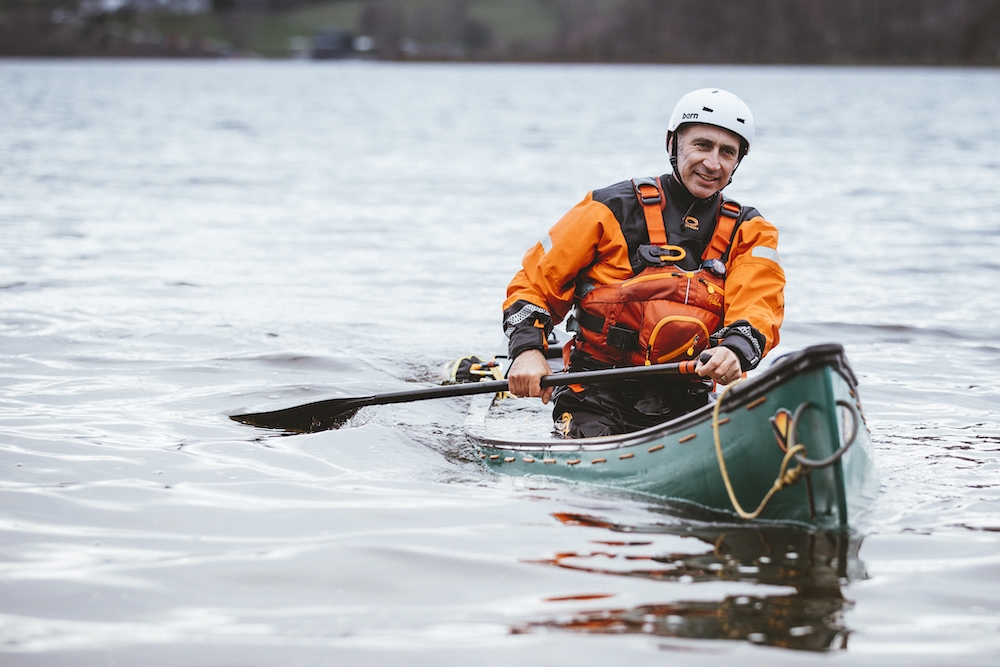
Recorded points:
647,191
655,255
731,209
623,338
714,266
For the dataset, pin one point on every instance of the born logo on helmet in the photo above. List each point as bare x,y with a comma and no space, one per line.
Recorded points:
689,116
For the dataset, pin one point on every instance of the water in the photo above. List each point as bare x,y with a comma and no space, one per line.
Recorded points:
183,241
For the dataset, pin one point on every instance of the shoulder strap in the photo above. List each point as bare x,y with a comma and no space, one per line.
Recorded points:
729,217
649,192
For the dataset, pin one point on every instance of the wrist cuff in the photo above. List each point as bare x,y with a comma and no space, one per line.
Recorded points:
744,340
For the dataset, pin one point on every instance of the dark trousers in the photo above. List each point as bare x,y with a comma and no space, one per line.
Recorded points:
619,407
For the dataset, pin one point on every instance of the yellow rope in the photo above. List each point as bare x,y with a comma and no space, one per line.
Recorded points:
497,374
785,477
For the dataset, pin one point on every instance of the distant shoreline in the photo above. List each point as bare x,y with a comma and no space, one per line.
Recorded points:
484,61
931,33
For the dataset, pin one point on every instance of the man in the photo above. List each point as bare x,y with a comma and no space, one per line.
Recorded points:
656,271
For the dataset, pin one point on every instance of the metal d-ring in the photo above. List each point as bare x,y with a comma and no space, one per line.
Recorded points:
833,458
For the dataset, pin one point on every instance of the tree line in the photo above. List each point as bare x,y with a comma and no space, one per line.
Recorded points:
953,32
800,31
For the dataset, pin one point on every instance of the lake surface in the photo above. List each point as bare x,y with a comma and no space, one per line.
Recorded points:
181,241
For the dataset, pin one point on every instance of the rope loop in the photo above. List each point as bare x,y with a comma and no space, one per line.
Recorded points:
810,464
795,451
785,476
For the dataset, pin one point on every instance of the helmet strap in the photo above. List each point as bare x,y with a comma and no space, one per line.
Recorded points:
734,171
744,149
673,155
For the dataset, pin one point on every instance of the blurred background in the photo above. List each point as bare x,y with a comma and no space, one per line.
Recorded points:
925,32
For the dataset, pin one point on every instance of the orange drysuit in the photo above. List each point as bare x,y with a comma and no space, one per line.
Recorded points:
598,242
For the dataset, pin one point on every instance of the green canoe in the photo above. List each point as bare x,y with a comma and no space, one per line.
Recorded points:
795,432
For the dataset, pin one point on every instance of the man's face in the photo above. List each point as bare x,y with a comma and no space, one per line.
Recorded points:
706,158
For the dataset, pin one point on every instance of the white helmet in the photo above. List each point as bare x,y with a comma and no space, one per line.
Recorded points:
714,106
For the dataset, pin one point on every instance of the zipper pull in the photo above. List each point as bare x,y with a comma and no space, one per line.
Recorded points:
694,342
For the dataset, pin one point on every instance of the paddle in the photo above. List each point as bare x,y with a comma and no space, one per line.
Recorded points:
334,412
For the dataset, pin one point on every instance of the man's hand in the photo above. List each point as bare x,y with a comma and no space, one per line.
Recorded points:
723,367
526,371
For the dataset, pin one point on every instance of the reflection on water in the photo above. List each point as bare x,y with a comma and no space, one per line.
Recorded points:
802,622
815,564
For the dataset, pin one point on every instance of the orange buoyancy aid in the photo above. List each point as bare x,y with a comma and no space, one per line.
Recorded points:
664,313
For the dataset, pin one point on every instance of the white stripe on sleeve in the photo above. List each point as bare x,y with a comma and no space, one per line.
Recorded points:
764,252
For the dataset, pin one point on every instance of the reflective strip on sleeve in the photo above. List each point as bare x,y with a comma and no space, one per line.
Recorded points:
764,252
546,242
526,311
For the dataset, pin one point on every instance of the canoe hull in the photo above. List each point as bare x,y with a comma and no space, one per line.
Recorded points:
677,461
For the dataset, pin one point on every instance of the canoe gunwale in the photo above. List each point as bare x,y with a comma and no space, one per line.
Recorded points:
787,366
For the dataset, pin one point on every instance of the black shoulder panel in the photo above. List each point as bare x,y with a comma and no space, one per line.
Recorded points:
621,199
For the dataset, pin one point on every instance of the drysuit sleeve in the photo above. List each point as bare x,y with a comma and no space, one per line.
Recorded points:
541,294
755,300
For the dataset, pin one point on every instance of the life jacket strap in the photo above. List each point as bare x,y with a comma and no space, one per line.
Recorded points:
620,337
649,192
593,322
730,213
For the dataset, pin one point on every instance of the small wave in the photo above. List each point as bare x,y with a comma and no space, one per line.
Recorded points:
302,361
886,332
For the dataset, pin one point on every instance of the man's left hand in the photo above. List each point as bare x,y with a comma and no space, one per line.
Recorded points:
723,367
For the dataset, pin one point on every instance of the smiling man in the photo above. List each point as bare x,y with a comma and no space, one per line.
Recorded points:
654,270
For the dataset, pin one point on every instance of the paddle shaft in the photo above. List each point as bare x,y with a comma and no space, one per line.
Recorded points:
583,377
331,413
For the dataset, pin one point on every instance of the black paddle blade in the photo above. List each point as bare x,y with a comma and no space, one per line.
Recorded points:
332,413
309,418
